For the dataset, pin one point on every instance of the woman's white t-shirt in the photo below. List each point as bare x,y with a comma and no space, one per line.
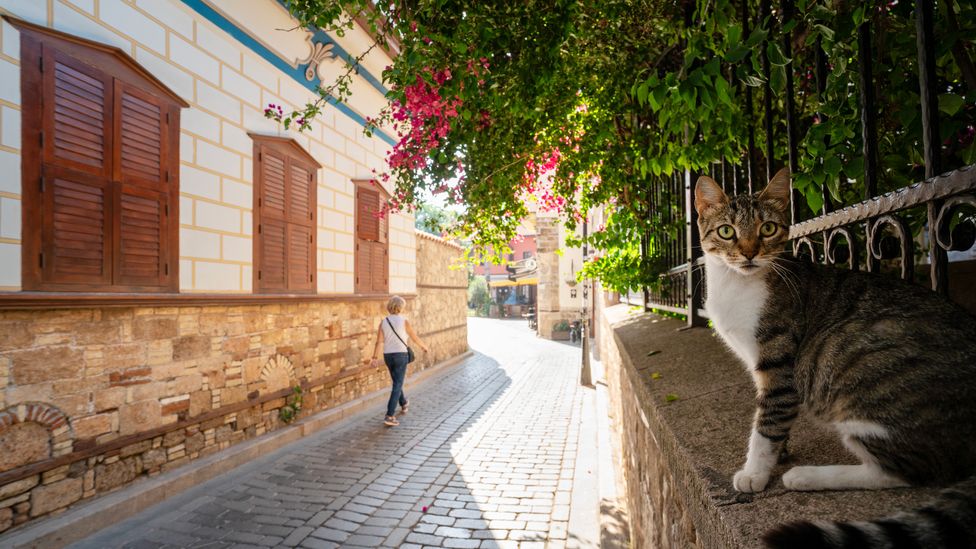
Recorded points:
392,344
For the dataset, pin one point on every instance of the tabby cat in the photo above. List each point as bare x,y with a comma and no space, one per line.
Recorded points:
890,365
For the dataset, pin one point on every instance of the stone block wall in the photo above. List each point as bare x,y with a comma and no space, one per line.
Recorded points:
92,399
658,514
440,311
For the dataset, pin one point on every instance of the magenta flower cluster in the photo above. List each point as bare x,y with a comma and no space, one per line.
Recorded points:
274,112
538,180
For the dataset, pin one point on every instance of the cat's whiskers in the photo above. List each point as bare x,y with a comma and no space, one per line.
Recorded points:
786,276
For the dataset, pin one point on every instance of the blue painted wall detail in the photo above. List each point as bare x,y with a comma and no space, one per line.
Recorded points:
300,73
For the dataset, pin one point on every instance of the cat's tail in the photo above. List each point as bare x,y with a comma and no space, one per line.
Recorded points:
948,521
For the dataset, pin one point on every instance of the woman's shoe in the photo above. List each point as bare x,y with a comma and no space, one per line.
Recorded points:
404,408
390,421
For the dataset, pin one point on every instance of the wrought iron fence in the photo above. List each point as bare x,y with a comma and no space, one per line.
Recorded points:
909,231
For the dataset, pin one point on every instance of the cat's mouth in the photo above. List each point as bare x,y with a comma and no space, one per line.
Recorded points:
747,267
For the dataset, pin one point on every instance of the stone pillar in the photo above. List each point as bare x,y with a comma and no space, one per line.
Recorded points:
547,304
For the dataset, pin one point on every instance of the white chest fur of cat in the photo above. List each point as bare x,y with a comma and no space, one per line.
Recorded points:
734,304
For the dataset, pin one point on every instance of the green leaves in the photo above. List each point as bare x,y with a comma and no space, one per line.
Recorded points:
754,81
950,103
776,55
628,96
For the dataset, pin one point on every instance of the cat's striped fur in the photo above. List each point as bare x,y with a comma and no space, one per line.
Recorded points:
892,366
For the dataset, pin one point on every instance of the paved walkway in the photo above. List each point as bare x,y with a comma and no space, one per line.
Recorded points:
489,456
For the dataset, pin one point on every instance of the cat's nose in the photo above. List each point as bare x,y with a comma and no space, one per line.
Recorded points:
749,254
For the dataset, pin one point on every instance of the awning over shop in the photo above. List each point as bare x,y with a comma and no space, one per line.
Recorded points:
520,282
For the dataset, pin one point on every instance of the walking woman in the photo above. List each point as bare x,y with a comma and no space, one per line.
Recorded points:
392,335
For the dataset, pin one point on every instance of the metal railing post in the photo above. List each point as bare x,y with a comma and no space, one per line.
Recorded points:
586,375
692,253
925,41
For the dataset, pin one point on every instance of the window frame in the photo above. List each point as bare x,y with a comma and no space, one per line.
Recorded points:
39,168
292,153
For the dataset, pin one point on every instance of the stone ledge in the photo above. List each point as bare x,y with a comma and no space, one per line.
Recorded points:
680,456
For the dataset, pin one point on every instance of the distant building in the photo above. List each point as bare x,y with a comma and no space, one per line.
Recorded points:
512,284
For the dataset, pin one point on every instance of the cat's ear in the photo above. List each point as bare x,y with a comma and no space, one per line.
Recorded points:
778,190
708,194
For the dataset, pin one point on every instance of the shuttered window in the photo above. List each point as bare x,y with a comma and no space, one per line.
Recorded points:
100,168
372,241
284,216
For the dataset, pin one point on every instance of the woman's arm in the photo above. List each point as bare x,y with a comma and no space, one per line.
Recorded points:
378,348
413,335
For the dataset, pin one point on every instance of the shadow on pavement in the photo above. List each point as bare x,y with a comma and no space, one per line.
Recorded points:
483,454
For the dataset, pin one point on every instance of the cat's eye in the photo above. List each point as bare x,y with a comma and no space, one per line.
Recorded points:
768,229
726,232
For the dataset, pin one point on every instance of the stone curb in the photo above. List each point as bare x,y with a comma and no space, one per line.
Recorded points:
87,519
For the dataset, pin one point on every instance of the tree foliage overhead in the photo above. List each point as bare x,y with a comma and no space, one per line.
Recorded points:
434,219
581,103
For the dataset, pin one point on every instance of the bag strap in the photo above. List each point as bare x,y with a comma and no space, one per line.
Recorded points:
395,332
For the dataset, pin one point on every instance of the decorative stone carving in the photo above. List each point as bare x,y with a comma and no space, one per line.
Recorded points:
278,373
320,52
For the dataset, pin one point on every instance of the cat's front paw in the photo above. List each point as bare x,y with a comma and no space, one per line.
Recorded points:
804,478
750,481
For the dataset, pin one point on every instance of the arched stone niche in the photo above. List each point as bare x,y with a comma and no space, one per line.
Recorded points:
31,432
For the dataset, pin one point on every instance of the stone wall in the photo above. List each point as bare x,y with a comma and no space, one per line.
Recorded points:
440,310
658,515
92,399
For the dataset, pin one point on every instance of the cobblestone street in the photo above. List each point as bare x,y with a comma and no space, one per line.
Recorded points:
488,456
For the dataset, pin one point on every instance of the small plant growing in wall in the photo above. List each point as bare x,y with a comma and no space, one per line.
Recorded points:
293,405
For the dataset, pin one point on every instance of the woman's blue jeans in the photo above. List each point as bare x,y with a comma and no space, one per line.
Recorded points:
397,364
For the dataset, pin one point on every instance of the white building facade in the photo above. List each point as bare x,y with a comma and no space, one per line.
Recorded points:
227,61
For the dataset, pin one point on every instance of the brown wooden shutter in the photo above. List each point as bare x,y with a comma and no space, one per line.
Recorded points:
75,232
367,222
142,250
273,246
141,152
300,260
273,184
372,259
141,172
100,140
77,115
379,265
272,229
285,240
381,256
364,281
76,193
301,227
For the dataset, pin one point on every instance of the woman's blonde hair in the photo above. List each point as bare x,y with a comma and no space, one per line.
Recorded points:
396,305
